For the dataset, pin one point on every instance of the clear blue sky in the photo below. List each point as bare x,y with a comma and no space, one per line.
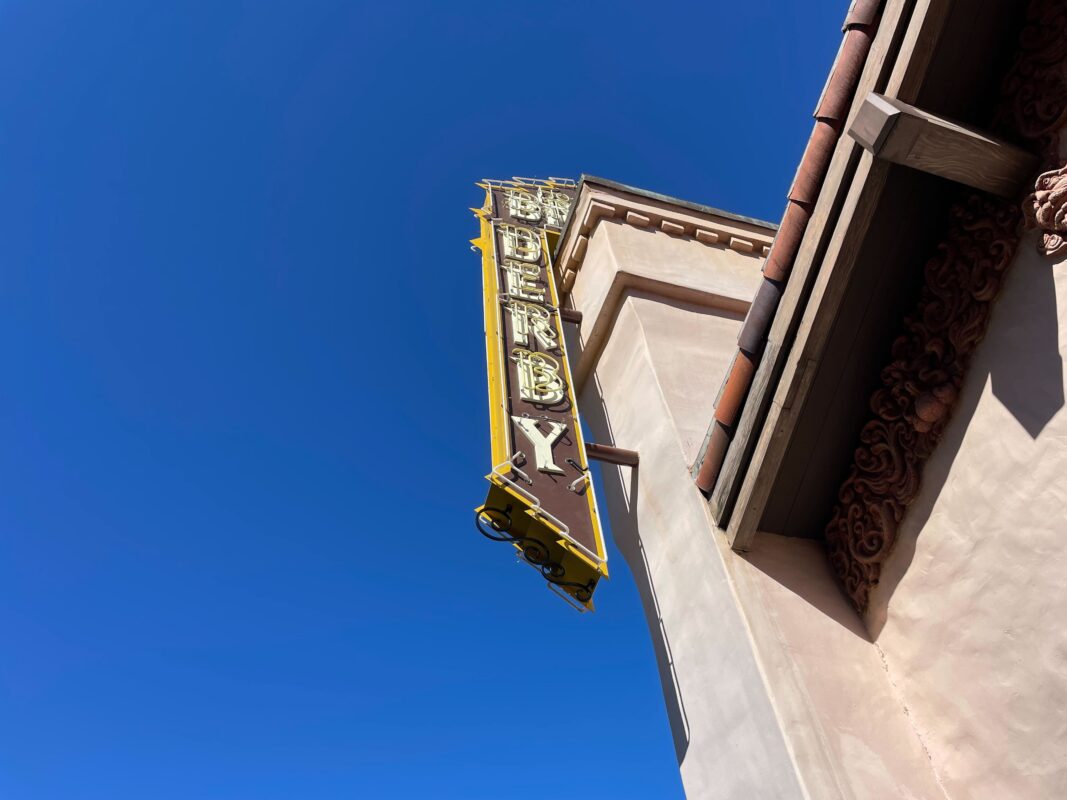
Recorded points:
243,412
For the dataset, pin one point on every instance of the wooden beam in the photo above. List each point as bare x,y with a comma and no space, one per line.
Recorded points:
898,64
902,134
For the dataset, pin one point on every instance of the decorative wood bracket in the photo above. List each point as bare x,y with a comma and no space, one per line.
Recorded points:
902,134
1046,210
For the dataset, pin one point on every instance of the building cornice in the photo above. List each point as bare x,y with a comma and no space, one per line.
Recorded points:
599,199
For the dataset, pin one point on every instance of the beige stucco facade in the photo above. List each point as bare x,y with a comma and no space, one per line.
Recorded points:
969,615
955,686
644,391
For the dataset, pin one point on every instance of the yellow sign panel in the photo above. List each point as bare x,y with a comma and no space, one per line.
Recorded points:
541,498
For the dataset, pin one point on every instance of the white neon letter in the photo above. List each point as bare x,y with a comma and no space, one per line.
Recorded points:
539,380
523,205
522,281
527,318
521,243
554,205
542,444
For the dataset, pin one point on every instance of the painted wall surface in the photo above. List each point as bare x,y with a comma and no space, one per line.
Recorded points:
651,389
622,258
772,687
970,612
728,741
843,718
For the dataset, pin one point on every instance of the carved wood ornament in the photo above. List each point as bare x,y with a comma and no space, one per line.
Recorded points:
1046,210
930,358
919,387
1038,84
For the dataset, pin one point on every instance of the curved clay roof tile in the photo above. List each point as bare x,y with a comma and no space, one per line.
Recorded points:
833,106
863,12
812,169
830,116
787,242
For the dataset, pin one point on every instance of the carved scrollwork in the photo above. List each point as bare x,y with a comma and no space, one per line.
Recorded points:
929,360
919,387
1046,210
1034,92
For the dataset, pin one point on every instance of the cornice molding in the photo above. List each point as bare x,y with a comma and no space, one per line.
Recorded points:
596,203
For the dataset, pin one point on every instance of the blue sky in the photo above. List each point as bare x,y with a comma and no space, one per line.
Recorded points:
244,419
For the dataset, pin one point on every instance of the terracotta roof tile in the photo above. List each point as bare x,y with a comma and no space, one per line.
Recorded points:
862,12
813,165
758,320
718,443
830,115
833,106
787,242
729,407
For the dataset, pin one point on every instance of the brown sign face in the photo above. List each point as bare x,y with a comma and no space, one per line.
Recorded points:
543,493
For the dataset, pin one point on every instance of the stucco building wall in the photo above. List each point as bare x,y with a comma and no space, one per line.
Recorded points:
769,679
970,611
727,738
955,686
844,720
681,274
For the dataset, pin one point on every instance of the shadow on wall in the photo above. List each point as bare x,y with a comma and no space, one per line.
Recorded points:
621,490
1028,378
802,567
1021,359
